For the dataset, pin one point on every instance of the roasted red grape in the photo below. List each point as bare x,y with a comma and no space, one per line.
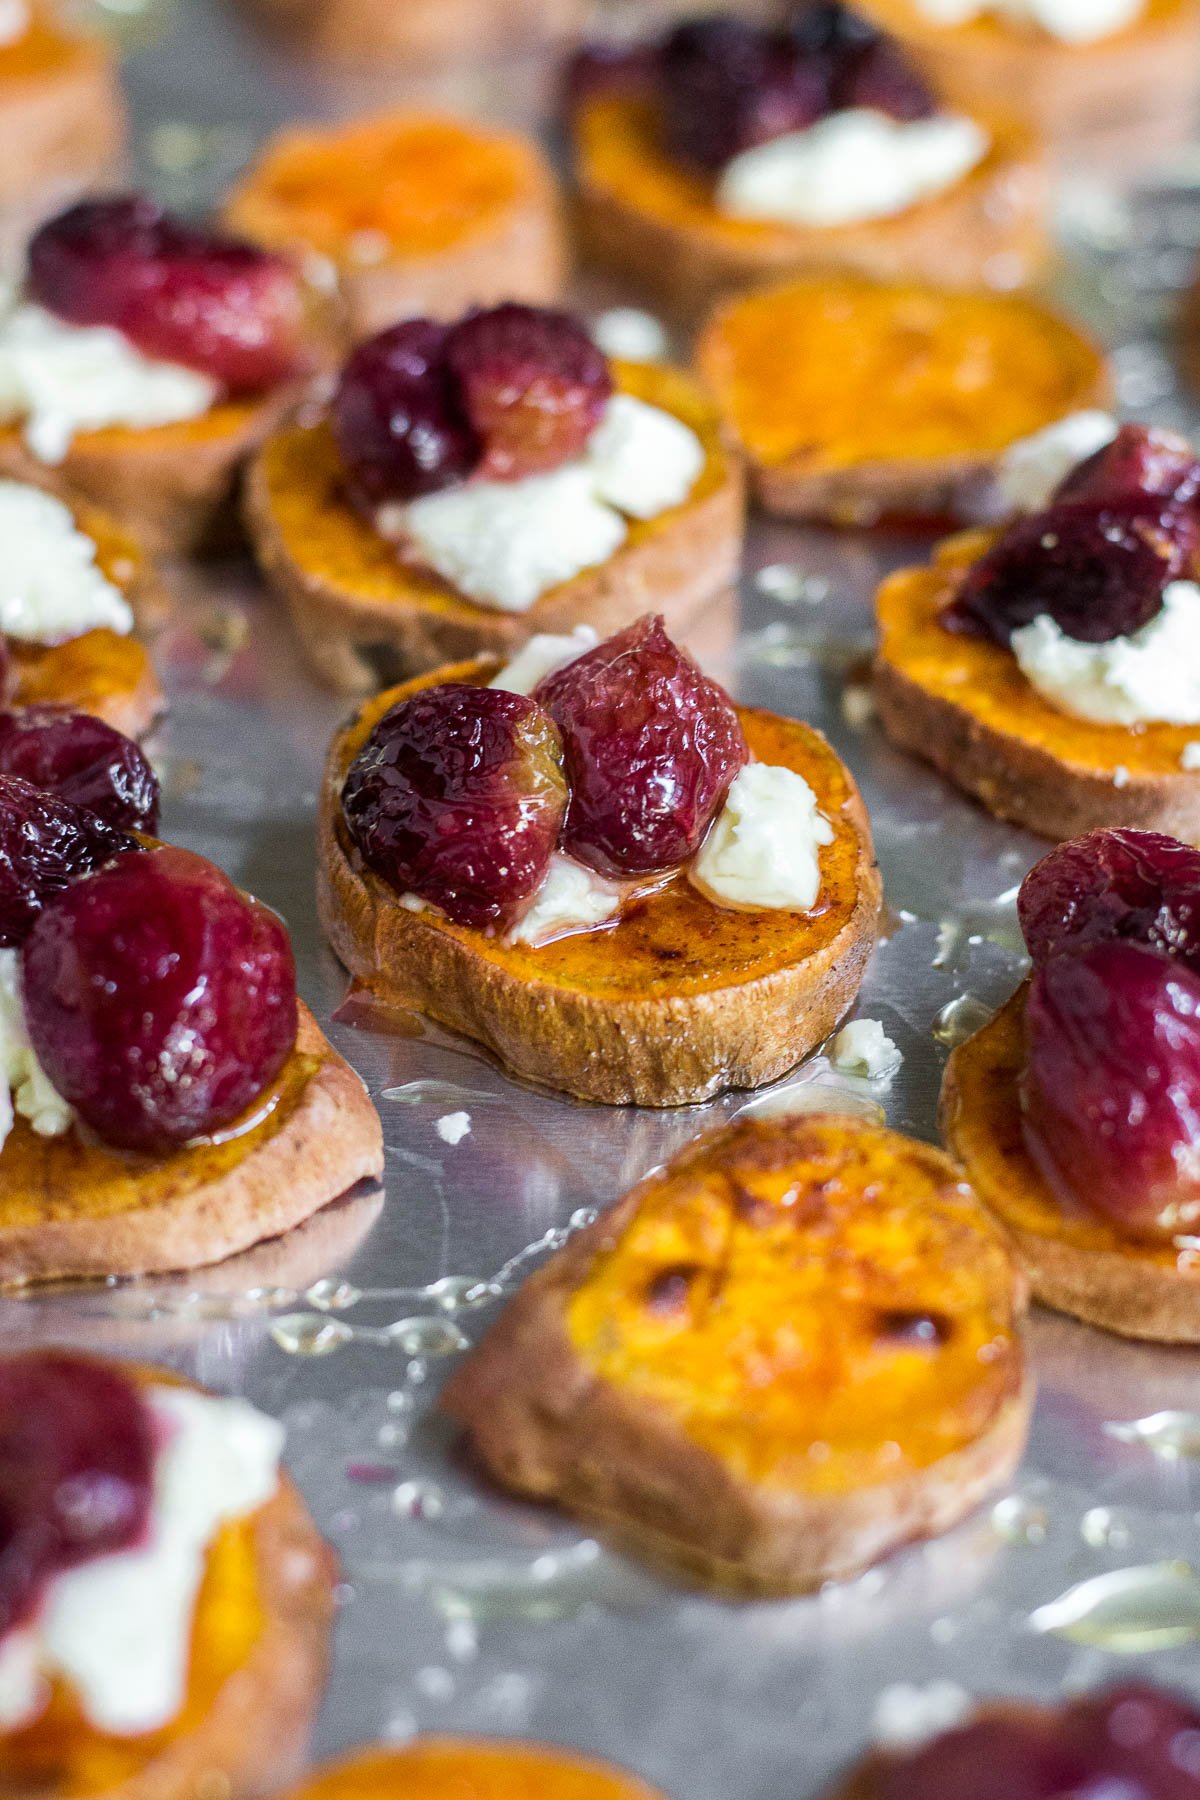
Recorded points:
160,1001
533,384
1141,461
458,796
726,85
614,67
179,293
76,1470
1098,570
80,758
1137,885
1110,1095
398,417
651,748
46,843
882,78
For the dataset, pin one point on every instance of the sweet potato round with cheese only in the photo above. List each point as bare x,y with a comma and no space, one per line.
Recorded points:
794,1349
436,1768
676,1001
259,1655
1123,97
412,213
365,619
656,223
963,704
1077,1262
855,400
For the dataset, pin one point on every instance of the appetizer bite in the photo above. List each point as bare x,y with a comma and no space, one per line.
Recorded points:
727,151
1131,1739
1076,1111
1052,669
591,862
1091,76
856,401
165,1598
772,1363
473,484
141,361
77,588
166,1100
370,33
436,1768
409,213
61,111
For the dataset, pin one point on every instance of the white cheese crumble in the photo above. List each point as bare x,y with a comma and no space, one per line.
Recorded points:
863,1048
571,898
1031,469
51,587
908,1715
15,20
62,379
762,850
544,653
630,334
118,1628
453,1127
853,165
1189,756
24,1087
504,543
1150,677
1070,21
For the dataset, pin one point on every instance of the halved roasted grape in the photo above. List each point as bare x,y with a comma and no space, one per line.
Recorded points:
1098,570
160,1000
82,759
882,78
398,417
533,384
46,842
1110,1096
726,85
214,303
1137,885
458,796
651,748
76,1470
1140,461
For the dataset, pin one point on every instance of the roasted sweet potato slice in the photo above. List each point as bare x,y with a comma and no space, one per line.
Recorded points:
471,1769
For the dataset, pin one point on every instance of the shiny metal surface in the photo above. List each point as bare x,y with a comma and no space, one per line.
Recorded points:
463,1611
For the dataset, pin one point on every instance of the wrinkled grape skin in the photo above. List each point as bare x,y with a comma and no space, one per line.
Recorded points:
76,1470
1110,1095
80,758
1140,886
160,1001
181,294
398,418
608,68
46,842
533,384
651,748
726,86
458,796
1141,461
1121,1742
1098,570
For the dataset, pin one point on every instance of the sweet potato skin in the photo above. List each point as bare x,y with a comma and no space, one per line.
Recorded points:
619,1432
363,34
1081,1266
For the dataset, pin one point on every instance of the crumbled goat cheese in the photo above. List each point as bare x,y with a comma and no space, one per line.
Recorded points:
1030,470
642,459
630,334
571,898
61,379
51,587
908,1715
1189,756
541,656
453,1127
1150,677
852,165
24,1088
1070,21
863,1048
762,850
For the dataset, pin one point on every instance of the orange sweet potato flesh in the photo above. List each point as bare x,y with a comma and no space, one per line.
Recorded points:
717,1306
423,183
472,1769
829,372
984,680
907,19
42,50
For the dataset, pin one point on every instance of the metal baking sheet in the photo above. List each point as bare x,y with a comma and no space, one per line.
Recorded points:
462,1611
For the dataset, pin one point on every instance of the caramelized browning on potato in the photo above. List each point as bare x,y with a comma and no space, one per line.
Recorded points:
472,1769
